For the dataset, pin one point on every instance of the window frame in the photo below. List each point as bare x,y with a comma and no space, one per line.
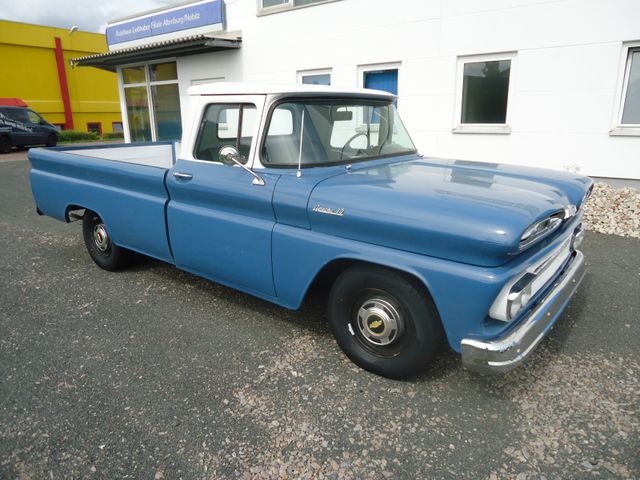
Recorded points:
316,71
201,105
199,125
147,84
378,67
618,128
295,99
483,128
287,6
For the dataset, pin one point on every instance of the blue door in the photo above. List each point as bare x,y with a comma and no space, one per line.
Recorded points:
220,224
385,80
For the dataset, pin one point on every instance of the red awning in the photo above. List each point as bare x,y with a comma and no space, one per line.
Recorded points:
12,102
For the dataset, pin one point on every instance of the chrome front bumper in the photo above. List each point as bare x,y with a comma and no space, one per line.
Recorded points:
504,353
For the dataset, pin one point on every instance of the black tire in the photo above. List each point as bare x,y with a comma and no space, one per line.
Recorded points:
5,144
102,250
365,303
52,140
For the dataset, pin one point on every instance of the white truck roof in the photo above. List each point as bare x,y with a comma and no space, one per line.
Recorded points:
240,88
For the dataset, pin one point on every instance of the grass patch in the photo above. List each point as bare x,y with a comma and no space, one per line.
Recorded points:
113,136
70,136
77,136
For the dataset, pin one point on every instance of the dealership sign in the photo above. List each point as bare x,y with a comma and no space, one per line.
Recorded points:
201,14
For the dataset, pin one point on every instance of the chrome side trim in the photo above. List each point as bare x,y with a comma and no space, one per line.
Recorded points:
505,353
329,211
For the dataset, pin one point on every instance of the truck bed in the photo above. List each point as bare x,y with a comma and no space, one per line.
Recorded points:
159,155
124,184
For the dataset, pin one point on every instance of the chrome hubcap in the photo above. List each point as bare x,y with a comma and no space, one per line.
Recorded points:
101,237
379,322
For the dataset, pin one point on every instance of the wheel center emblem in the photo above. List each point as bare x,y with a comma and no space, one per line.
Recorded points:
378,321
376,325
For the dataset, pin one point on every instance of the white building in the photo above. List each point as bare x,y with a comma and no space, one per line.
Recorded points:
549,83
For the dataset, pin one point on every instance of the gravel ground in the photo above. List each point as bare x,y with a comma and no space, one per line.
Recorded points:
154,373
613,211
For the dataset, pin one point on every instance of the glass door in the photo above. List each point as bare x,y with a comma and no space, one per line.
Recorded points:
152,99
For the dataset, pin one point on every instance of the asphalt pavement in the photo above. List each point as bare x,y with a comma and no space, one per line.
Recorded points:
154,373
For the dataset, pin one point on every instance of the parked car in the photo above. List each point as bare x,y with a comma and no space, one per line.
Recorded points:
277,189
22,127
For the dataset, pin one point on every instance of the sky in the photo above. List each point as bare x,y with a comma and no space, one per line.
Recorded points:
88,15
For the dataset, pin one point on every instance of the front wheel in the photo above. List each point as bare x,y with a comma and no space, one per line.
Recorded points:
102,250
384,322
52,140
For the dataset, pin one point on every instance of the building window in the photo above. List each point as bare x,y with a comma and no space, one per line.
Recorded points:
315,77
380,77
95,127
631,103
385,80
274,3
152,101
483,95
628,121
273,6
485,91
116,127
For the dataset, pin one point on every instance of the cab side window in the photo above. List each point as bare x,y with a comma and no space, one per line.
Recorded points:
18,114
225,125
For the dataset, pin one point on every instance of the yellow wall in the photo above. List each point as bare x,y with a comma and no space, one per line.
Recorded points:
28,71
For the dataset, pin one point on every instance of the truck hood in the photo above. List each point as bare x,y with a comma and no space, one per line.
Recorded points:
464,211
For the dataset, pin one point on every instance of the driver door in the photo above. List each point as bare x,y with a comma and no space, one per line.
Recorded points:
219,221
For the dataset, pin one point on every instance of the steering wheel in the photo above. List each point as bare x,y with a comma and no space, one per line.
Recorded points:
359,134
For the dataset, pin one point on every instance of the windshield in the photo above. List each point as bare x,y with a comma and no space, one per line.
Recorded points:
333,131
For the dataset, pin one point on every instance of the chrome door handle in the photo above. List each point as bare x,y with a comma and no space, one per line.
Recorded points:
182,176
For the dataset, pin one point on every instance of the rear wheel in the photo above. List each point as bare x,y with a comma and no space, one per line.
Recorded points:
384,322
102,250
52,140
5,145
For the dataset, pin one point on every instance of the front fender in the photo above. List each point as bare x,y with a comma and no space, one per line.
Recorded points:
463,293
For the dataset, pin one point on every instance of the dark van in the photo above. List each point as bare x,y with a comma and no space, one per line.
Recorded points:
22,127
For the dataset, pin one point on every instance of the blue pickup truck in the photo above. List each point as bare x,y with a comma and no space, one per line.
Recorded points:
277,190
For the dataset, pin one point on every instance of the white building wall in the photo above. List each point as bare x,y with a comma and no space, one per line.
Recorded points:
565,77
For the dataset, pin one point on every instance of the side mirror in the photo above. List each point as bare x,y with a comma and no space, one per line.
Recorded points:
229,156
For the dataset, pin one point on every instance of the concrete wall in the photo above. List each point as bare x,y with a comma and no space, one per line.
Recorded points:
566,76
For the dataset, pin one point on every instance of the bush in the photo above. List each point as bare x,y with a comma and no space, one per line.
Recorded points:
113,136
76,136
